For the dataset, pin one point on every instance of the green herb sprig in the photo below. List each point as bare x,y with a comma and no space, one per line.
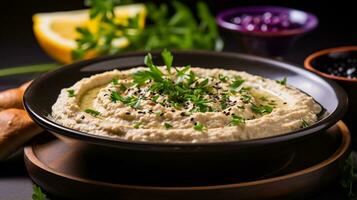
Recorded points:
199,127
71,93
282,82
92,112
181,30
304,124
37,193
237,120
261,109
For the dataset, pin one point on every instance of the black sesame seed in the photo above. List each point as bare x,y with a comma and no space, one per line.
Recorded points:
161,114
105,95
173,110
127,113
192,119
82,117
183,114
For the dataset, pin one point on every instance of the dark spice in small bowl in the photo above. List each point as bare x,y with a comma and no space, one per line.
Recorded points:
343,64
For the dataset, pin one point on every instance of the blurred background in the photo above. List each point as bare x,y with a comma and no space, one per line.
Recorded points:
18,46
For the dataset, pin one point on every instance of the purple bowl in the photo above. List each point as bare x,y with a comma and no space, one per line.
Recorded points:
271,42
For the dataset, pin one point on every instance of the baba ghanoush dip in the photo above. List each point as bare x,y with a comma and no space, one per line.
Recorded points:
183,104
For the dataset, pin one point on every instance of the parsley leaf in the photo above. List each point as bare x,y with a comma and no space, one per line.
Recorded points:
282,82
304,124
236,120
167,125
141,77
129,100
223,78
122,87
168,58
92,112
198,127
115,96
262,109
246,98
115,81
71,93
37,193
137,125
236,83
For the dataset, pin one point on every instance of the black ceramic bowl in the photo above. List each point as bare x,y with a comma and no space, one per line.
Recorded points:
221,160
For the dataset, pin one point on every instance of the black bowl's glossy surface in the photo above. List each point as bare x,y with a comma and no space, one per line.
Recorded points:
274,151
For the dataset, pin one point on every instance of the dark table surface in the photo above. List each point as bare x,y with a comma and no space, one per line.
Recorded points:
18,47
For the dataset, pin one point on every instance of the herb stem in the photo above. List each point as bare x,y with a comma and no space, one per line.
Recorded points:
28,69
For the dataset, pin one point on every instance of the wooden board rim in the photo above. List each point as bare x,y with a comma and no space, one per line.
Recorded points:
341,151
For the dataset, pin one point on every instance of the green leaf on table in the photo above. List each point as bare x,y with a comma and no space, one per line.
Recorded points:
37,193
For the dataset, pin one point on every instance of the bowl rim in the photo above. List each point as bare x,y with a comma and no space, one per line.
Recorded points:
52,126
308,62
311,23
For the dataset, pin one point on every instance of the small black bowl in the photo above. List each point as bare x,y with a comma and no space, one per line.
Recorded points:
220,160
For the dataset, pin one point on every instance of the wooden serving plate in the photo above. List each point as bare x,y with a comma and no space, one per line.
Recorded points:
66,172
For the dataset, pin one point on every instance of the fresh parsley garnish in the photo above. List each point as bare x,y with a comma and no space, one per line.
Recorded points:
92,112
178,89
237,120
128,100
71,93
236,83
179,29
282,82
167,125
261,109
168,58
122,87
246,98
37,193
155,98
115,81
223,78
198,127
224,100
137,125
115,96
304,124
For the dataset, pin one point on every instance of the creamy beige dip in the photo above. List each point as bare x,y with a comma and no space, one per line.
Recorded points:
234,105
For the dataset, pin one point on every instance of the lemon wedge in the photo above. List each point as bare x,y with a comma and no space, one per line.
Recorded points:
56,31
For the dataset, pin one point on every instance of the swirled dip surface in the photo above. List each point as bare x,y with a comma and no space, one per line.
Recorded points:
183,105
